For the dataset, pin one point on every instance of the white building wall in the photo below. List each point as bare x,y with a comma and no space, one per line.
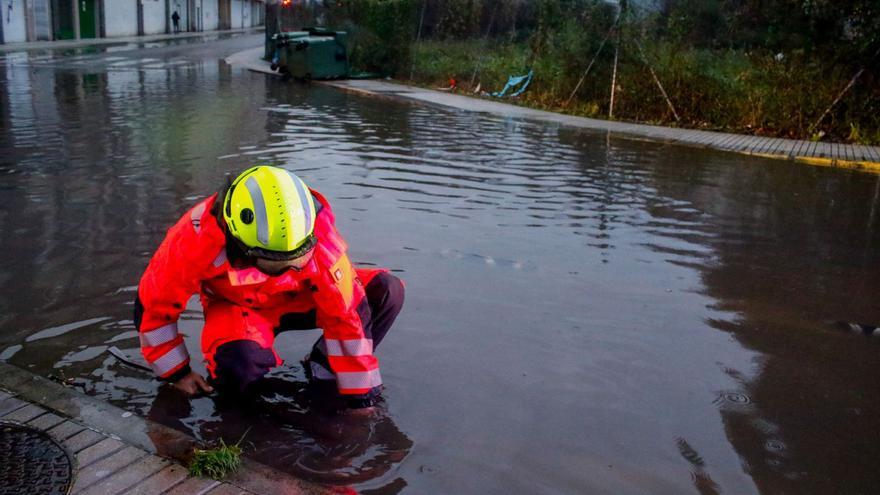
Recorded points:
256,11
210,14
238,15
120,18
14,27
154,16
42,20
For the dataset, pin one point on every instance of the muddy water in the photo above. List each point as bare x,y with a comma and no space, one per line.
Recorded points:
584,313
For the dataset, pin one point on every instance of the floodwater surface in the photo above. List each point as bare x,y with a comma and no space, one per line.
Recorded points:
584,313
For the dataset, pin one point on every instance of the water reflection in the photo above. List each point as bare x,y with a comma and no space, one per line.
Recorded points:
805,424
585,313
289,427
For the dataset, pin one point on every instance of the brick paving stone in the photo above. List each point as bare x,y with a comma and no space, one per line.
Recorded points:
692,137
804,148
227,489
751,143
4,395
159,482
787,147
713,143
717,137
830,150
855,152
740,143
193,486
83,439
851,153
724,141
730,144
810,150
770,146
779,146
105,467
66,430
46,421
101,449
757,146
10,404
678,136
727,143
765,144
127,477
708,137
25,414
861,153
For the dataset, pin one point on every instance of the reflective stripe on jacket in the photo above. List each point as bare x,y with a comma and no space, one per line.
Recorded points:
192,259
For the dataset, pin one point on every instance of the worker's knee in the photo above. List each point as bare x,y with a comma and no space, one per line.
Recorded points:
385,293
239,363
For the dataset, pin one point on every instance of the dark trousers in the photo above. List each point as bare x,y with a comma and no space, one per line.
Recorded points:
240,363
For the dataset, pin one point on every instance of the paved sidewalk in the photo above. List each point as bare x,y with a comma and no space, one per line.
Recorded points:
51,45
850,156
119,452
106,464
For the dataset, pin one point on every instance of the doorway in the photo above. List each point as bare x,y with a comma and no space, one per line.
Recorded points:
225,14
62,21
87,19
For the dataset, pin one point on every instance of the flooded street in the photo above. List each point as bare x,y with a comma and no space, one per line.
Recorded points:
585,313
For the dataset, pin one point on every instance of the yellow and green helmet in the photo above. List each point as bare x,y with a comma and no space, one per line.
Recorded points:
271,213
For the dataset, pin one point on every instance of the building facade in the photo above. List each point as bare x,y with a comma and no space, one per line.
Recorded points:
47,20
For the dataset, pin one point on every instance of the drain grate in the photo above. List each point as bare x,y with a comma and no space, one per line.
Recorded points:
32,462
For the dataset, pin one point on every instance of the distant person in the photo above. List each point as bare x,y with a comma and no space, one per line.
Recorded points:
175,18
265,257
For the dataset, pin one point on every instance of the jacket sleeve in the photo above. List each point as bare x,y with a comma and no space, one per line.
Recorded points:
172,276
344,314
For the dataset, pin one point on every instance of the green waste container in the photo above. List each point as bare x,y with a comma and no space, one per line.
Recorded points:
277,43
315,53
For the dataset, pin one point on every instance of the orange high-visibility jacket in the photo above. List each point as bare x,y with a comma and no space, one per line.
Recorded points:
192,259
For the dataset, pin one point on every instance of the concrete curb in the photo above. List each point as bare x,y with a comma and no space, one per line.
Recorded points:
139,433
846,156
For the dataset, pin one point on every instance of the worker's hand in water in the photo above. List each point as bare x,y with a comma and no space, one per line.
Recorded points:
363,412
193,384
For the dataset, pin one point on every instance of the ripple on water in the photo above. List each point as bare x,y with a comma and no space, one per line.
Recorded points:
728,398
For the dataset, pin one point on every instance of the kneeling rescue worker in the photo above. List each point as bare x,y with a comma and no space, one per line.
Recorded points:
265,257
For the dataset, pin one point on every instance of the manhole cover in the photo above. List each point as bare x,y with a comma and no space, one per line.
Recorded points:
31,462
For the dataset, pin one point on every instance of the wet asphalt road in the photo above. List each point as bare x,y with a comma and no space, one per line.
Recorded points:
585,314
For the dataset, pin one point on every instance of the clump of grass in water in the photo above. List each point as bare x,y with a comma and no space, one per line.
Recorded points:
217,462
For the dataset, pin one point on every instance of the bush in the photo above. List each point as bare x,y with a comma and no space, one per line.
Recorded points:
742,67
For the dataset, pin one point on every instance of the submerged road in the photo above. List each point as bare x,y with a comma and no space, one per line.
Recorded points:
585,314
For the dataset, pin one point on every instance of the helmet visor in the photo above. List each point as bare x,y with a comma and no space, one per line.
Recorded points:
303,249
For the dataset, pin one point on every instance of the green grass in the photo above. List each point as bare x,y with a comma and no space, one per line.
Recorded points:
217,462
728,90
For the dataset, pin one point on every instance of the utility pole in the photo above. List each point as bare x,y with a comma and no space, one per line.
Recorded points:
412,69
621,11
